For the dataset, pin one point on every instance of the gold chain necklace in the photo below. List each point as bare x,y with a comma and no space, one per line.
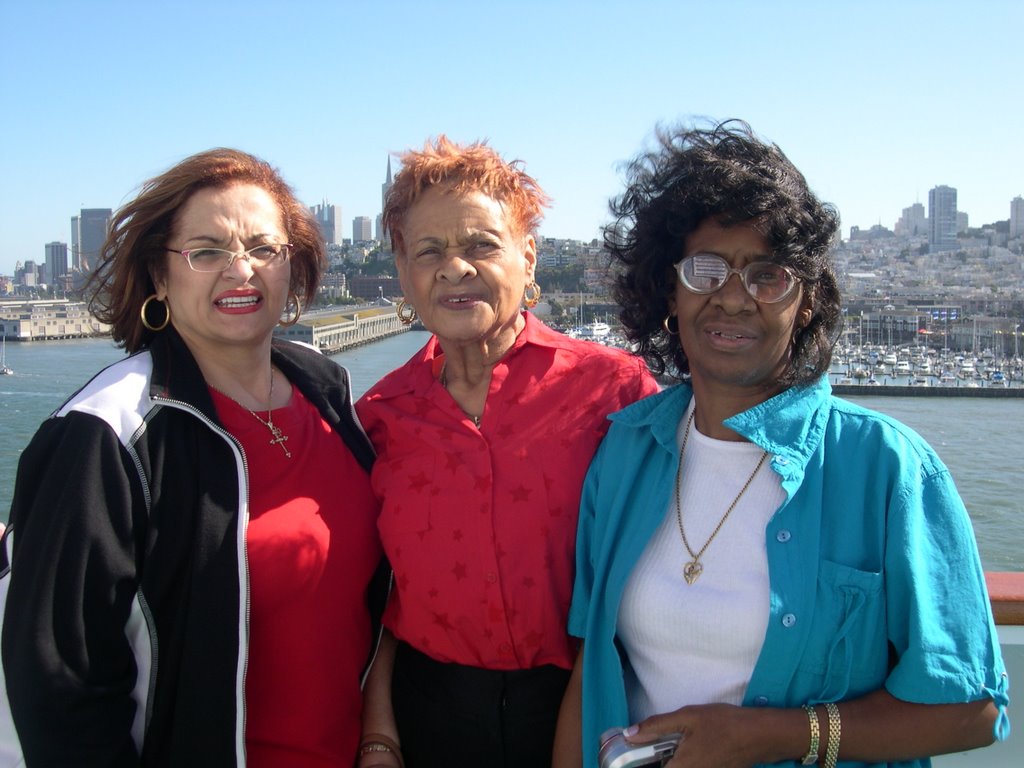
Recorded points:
279,437
693,569
443,378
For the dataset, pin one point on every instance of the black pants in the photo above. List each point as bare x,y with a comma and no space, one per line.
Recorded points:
451,715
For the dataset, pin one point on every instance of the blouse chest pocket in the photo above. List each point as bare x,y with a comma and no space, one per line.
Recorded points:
847,647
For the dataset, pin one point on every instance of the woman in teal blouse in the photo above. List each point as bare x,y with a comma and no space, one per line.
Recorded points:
777,575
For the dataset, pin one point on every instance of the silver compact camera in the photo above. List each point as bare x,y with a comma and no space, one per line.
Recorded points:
616,752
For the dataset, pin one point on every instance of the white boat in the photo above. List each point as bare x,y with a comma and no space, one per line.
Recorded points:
4,369
595,330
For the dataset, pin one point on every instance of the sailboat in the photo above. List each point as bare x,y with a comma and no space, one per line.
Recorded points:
4,370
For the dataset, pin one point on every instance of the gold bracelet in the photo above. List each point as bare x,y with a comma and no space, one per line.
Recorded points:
835,728
378,742
812,752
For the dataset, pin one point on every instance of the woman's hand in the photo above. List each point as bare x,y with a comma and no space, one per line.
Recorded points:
726,736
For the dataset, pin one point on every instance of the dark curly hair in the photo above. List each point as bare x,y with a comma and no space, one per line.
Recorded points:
728,174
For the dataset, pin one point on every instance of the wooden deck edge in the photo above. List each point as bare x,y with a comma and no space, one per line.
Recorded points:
1006,592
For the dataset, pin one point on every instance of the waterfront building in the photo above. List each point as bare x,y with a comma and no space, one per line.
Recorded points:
332,331
362,229
48,319
942,223
372,287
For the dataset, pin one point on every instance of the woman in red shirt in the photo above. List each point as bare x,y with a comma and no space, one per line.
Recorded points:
483,439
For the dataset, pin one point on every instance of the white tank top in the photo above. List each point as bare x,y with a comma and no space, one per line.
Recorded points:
698,643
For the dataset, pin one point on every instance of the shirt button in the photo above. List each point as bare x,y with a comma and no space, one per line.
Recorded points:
789,620
781,460
783,536
491,578
761,701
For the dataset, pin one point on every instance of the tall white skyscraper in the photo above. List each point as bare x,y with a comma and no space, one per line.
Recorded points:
942,227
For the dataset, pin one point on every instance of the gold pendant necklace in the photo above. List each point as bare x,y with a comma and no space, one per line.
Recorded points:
278,437
693,569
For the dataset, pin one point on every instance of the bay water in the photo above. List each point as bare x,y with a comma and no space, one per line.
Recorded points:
980,439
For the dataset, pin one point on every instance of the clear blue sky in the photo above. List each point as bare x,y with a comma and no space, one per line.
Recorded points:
876,102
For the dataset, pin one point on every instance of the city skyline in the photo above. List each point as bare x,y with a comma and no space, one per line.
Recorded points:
573,89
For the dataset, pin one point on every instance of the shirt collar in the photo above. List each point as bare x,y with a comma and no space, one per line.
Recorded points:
789,425
423,368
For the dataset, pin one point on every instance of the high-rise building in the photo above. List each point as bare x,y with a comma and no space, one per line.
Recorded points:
76,248
362,229
88,231
56,261
381,234
942,227
912,222
385,186
329,218
1017,217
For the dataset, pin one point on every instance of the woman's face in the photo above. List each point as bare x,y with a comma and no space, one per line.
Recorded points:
214,311
464,267
735,345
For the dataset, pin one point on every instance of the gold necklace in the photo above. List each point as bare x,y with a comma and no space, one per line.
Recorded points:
693,569
443,378
279,437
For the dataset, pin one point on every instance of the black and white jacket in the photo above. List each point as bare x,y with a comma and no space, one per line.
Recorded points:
124,567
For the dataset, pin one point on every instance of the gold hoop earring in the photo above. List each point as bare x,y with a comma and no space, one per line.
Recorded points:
406,312
668,330
531,296
293,298
167,314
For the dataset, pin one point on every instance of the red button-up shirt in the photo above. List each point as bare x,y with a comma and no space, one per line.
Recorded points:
480,524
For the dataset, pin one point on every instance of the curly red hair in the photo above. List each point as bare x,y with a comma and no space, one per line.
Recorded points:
463,168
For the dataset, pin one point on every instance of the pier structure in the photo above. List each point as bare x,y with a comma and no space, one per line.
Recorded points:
336,330
43,319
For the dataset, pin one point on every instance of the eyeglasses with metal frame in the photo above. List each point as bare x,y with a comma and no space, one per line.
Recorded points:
219,259
765,281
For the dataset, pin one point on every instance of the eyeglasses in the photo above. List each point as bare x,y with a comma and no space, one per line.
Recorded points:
765,281
219,259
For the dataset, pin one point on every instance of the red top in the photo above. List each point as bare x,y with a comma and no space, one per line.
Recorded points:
312,548
480,524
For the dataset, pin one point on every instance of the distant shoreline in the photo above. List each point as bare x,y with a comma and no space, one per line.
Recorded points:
871,390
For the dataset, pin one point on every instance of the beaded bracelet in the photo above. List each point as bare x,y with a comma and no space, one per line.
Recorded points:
835,727
812,752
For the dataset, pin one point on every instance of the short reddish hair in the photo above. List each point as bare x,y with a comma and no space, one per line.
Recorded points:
463,168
